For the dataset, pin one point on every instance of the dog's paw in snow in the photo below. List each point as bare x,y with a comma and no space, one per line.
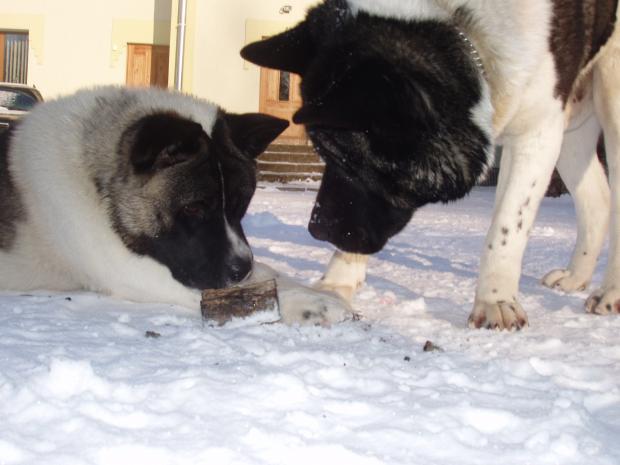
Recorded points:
604,302
301,304
345,274
565,281
308,306
498,316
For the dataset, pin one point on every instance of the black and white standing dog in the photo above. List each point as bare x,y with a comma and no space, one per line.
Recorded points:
137,193
405,99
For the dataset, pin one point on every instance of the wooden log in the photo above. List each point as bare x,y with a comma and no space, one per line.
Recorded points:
221,305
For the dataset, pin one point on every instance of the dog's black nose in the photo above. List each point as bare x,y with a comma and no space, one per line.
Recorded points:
319,227
318,231
239,269
351,238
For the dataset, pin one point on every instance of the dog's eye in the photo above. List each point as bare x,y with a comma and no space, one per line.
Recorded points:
196,209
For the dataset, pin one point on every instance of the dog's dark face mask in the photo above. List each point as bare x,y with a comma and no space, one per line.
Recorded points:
198,188
388,106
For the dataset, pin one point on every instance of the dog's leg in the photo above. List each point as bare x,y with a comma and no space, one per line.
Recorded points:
607,102
533,156
145,280
585,179
301,304
346,272
504,174
124,275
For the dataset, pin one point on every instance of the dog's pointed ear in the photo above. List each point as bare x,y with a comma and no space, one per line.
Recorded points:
162,140
334,114
253,132
343,107
291,50
371,96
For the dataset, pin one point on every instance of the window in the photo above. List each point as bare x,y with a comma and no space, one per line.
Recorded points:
14,57
284,93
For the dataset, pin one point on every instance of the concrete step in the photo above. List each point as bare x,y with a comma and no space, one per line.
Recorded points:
289,157
290,148
288,163
287,177
291,167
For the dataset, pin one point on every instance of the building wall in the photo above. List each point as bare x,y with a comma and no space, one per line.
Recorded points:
216,31
77,43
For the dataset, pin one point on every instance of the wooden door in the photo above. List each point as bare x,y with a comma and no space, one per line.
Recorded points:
147,65
280,96
159,65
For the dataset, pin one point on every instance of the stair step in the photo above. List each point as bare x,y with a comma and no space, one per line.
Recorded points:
287,177
291,167
290,148
284,163
289,157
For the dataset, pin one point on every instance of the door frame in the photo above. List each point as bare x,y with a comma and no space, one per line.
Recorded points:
150,65
268,97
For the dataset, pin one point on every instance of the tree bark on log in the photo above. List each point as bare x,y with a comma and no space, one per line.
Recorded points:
221,305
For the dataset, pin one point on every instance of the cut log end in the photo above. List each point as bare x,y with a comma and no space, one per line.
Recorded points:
221,305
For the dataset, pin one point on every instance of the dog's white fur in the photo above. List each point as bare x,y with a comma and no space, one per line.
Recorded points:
400,9
530,122
67,241
59,246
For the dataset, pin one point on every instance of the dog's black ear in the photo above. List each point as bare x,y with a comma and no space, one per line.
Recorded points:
339,111
253,132
291,50
371,96
159,141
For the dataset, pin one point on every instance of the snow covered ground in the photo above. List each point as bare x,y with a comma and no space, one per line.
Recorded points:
80,383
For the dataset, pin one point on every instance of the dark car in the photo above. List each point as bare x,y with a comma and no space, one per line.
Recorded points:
15,101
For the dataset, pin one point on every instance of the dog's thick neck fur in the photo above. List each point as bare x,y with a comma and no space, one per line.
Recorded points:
510,48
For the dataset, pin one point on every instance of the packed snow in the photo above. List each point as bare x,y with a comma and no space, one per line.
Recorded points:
85,379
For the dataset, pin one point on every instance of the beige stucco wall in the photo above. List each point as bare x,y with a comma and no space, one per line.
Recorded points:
77,43
216,31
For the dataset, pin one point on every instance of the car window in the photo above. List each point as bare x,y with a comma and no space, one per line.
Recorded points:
16,100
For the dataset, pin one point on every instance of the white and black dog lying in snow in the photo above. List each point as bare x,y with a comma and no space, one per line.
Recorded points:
405,99
138,194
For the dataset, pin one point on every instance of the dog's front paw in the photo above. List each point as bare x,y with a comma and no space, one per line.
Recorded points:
498,315
313,307
345,274
344,291
565,280
604,302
